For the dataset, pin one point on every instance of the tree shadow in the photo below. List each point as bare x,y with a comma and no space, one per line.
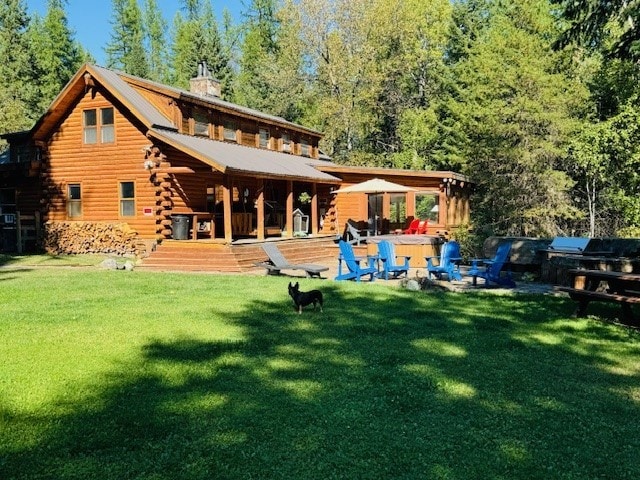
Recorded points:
431,386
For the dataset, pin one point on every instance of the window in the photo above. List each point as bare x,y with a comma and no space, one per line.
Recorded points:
74,200
106,126
230,132
107,129
286,143
7,200
127,202
265,138
90,123
398,210
200,124
305,150
427,206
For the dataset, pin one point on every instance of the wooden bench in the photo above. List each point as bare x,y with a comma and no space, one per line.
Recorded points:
589,285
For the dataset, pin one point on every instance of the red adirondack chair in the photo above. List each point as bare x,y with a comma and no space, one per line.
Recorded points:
413,227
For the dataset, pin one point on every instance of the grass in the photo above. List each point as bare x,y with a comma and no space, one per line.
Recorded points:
136,375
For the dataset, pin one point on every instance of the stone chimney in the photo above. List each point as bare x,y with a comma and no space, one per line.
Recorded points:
204,84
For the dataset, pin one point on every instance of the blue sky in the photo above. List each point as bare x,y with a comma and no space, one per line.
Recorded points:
90,19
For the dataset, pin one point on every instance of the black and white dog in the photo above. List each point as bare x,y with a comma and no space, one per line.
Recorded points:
302,299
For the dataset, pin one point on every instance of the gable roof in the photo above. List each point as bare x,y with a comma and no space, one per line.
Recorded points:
232,158
124,93
119,84
222,156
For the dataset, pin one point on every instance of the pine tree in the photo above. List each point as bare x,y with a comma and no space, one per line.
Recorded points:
18,107
155,27
259,49
126,50
196,38
187,47
517,110
590,24
57,55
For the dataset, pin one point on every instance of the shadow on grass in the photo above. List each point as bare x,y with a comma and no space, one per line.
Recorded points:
439,386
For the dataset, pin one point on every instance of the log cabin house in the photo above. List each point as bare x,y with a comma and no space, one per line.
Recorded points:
119,164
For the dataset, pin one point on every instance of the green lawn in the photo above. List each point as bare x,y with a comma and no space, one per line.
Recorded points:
136,375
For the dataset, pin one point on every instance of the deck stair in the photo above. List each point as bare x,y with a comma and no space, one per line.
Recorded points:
203,256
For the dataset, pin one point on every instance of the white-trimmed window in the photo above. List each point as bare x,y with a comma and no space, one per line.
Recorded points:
265,138
74,200
127,199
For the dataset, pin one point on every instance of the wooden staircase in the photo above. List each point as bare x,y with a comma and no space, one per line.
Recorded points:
208,256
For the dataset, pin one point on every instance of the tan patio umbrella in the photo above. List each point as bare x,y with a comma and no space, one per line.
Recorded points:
376,185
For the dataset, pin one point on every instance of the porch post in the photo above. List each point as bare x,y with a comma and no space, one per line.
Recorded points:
289,208
411,204
386,211
227,188
314,209
260,209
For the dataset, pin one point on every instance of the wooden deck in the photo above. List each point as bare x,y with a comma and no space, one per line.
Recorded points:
239,257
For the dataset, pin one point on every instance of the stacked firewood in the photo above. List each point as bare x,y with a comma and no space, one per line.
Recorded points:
90,237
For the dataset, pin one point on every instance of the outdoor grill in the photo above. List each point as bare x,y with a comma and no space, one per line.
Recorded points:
565,253
576,246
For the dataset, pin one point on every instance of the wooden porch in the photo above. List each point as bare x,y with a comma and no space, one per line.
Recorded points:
215,255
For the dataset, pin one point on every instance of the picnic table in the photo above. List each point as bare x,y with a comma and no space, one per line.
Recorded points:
599,285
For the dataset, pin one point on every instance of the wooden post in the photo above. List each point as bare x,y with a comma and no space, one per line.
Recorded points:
260,209
411,204
227,188
314,209
19,231
289,208
386,212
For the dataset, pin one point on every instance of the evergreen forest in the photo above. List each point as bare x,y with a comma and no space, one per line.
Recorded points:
537,101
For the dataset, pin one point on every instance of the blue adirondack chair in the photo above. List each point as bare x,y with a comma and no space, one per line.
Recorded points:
448,262
388,257
354,268
491,269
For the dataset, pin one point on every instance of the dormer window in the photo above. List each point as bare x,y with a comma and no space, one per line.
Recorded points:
200,124
265,138
305,149
230,133
286,143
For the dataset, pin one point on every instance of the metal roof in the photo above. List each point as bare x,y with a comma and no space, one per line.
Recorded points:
213,101
136,102
230,157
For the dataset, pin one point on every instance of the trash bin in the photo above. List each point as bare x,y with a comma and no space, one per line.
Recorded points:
180,227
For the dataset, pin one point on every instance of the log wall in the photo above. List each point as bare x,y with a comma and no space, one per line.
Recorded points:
98,168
